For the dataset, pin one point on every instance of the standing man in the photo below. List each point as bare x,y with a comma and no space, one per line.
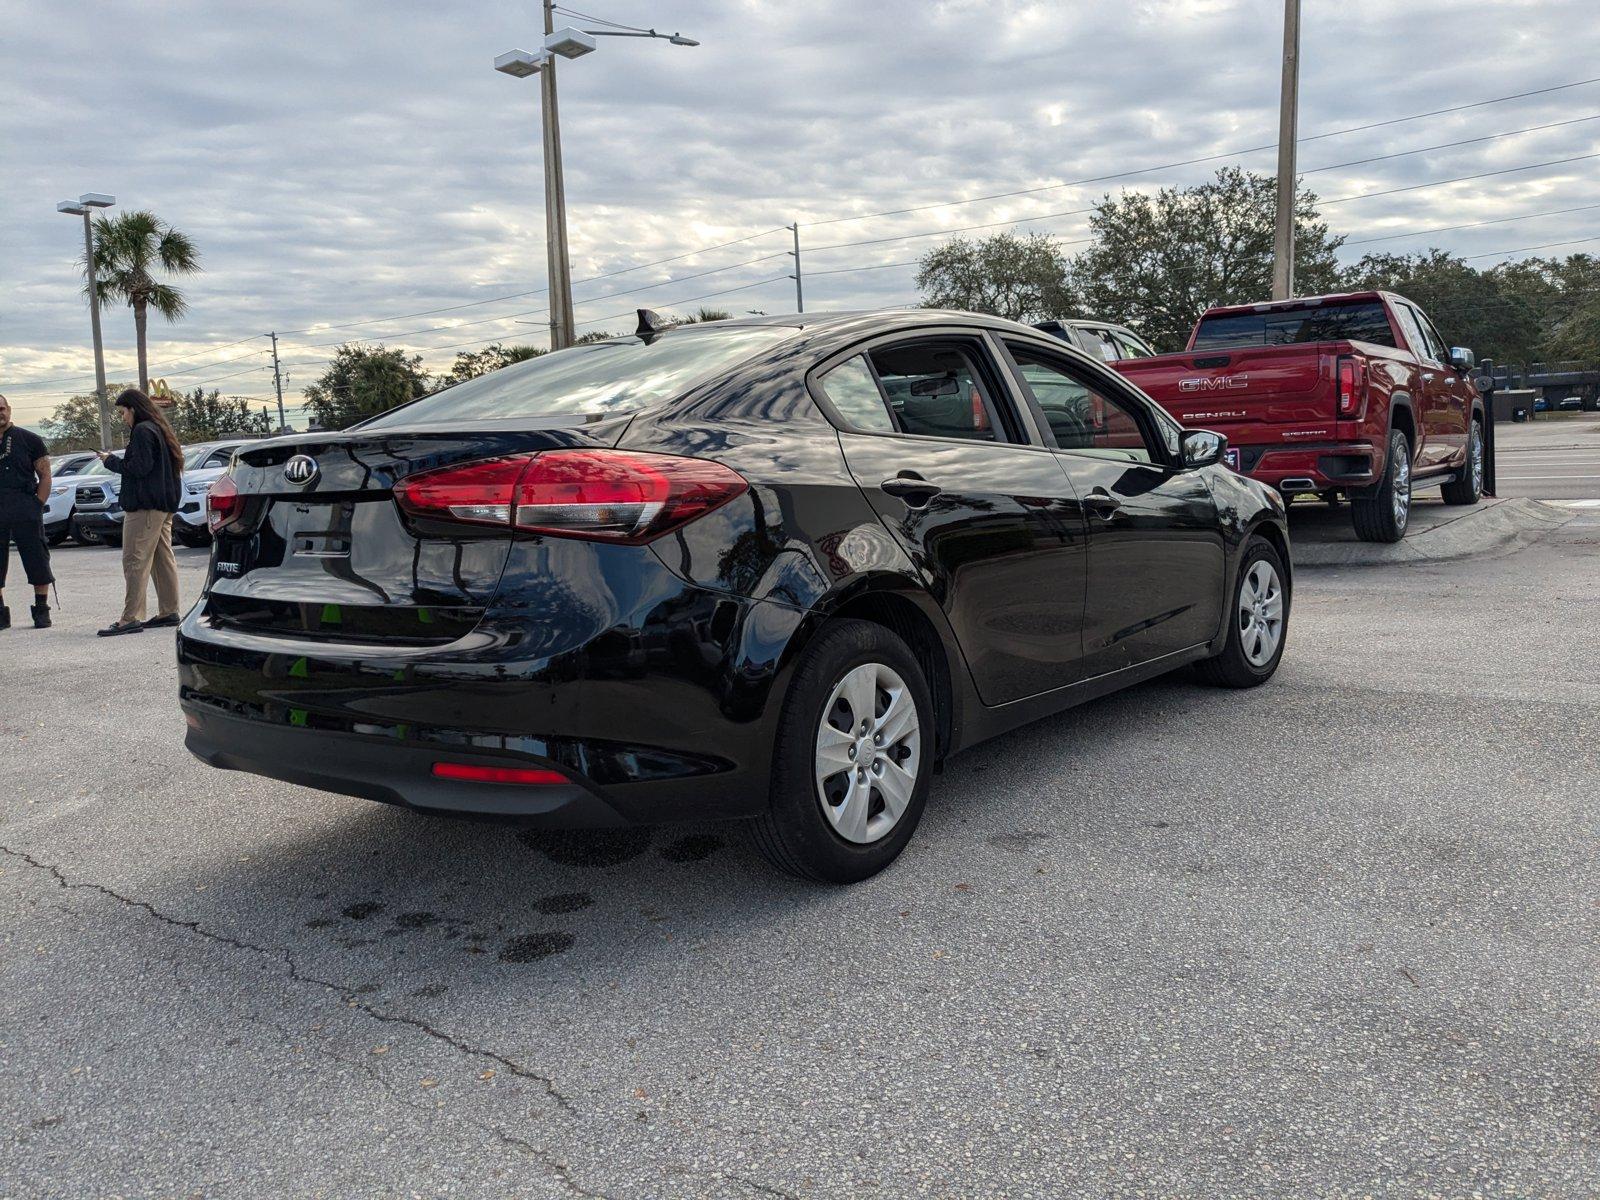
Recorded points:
24,488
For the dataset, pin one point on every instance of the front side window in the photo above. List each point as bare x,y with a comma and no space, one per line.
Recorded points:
1084,418
1363,321
855,395
936,389
597,379
1412,328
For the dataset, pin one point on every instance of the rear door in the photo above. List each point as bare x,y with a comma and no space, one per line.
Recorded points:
1449,391
1155,579
990,521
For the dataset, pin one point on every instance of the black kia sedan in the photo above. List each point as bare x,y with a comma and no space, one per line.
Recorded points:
775,569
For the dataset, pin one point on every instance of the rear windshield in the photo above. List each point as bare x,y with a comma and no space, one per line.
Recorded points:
598,378
1363,322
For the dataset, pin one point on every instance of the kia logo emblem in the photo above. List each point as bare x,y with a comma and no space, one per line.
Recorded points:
301,469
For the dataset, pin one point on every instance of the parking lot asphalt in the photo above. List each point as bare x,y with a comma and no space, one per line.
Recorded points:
1335,937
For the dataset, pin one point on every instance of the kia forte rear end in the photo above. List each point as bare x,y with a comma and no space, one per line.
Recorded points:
471,614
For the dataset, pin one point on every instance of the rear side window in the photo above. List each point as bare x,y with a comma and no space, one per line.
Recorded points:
854,393
935,389
1363,322
595,379
1131,346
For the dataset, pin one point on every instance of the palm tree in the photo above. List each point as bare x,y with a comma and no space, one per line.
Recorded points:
127,249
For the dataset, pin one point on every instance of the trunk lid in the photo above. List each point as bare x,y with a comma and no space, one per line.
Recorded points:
334,558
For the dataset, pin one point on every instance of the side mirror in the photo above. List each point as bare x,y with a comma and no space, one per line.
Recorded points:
1201,448
1462,359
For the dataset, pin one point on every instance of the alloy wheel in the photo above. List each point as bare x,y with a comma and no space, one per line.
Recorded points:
868,753
1260,613
1402,488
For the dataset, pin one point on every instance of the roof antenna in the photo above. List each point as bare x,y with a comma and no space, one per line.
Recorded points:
651,324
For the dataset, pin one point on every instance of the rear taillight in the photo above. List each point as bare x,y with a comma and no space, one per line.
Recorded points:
601,495
223,503
1352,385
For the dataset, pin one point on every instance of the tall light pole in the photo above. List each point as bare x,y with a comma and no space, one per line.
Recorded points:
1288,130
566,43
84,207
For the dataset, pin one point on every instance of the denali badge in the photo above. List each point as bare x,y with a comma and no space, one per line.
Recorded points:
1217,383
301,469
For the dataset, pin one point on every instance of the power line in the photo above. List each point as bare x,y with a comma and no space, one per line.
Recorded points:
537,291
1525,249
90,374
905,237
1488,137
895,212
1417,187
1555,212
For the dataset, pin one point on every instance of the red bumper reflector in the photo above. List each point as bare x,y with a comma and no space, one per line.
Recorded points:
471,773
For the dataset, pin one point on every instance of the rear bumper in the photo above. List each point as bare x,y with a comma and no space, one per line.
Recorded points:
668,715
1312,468
376,768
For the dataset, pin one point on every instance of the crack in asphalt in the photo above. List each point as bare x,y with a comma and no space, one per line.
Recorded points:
346,994
556,1166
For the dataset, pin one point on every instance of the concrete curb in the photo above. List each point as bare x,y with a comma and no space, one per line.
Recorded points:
1482,529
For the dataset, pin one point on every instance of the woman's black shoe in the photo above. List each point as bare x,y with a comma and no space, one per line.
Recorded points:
161,622
117,627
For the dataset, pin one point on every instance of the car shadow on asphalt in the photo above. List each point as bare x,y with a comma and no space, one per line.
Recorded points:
394,899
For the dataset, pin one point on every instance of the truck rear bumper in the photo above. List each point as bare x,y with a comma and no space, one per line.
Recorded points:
1323,467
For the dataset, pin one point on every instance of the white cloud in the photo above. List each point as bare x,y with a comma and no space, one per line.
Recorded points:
340,161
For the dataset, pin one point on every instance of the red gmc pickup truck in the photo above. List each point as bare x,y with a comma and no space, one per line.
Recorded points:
1354,393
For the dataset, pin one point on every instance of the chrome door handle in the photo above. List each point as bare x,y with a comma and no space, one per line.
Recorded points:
1102,504
913,489
1427,376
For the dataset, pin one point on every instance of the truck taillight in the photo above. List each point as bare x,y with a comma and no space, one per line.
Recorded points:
1352,385
223,503
600,495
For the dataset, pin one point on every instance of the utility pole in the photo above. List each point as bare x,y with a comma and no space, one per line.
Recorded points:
277,380
799,294
562,330
1288,131
84,207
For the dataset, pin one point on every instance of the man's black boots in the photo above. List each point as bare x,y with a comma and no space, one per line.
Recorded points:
41,615
5,617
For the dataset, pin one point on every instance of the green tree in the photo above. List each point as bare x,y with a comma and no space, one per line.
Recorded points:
470,364
130,249
75,424
1471,307
203,416
1566,294
1006,274
363,381
1158,262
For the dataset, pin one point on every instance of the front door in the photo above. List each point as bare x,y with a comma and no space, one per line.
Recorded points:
990,521
1434,402
1155,581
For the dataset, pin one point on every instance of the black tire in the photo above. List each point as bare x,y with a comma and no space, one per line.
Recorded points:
794,834
1234,667
193,541
86,537
1467,487
1376,514
56,538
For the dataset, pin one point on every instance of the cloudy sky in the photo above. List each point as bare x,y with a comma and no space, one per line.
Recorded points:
347,166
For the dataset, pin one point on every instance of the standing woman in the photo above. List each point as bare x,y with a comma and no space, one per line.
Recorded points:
152,472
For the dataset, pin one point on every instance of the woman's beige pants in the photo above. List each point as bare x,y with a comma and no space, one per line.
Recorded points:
147,554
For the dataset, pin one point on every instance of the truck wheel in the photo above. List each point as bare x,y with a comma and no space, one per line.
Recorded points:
1382,514
853,757
1467,487
1258,622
